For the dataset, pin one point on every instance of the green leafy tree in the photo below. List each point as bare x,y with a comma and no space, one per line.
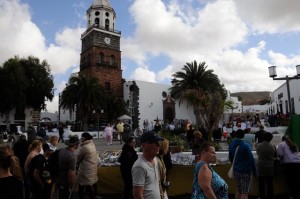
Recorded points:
115,107
39,81
83,95
199,87
25,82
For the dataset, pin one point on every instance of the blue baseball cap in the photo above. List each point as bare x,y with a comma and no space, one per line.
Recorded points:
151,137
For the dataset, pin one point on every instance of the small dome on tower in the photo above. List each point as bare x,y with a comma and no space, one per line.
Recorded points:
101,2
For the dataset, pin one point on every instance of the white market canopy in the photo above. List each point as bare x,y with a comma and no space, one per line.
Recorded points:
124,117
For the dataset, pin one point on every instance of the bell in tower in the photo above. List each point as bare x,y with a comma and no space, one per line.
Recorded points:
101,14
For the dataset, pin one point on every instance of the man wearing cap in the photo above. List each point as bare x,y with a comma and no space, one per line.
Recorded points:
65,181
39,176
145,170
87,160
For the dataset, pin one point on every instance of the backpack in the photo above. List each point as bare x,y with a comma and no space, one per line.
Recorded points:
53,164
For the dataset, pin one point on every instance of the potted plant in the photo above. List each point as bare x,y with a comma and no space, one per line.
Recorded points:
176,144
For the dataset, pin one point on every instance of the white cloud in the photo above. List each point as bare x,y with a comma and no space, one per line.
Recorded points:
211,32
143,75
215,31
272,16
165,73
66,52
20,36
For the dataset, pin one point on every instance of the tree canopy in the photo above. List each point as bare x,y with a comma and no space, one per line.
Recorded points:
25,82
83,94
202,89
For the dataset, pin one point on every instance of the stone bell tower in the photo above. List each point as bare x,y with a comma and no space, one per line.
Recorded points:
100,53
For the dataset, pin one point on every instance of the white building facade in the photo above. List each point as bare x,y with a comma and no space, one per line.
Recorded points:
152,100
279,99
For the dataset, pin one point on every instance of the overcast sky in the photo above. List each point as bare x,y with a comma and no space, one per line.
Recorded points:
238,39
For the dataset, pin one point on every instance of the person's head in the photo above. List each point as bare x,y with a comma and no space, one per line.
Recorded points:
164,147
240,134
36,145
9,162
131,141
261,127
22,137
86,136
197,134
53,140
207,152
73,142
5,157
293,147
150,144
267,136
47,150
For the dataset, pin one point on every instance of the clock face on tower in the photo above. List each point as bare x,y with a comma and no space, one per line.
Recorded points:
107,40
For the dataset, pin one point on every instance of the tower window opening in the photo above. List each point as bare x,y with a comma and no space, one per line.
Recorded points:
97,21
106,24
101,58
107,86
97,13
112,60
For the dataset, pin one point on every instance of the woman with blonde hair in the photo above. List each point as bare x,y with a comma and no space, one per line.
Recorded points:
11,185
53,142
34,149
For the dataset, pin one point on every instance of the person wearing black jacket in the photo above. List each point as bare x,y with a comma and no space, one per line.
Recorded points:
127,159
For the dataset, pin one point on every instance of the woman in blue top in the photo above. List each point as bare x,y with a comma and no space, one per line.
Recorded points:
244,165
207,183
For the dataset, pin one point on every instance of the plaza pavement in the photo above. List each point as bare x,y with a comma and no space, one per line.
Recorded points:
101,145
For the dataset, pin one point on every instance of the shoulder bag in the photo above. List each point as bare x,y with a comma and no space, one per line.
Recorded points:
230,172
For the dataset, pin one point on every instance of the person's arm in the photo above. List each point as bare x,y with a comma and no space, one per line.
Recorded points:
36,176
280,150
71,178
204,180
252,161
72,172
138,192
80,155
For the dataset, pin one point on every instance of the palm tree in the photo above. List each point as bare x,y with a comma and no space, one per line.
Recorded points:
115,107
194,85
84,94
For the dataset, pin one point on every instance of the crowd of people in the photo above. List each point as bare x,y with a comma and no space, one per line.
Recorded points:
38,170
26,169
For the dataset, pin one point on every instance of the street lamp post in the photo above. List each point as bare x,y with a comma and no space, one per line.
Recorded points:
272,74
59,96
98,111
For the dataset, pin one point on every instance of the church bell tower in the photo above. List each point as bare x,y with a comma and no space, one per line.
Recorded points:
100,53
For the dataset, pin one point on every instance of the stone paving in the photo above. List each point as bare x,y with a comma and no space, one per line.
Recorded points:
101,145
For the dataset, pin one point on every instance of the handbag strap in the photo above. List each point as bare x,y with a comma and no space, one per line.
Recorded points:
235,154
